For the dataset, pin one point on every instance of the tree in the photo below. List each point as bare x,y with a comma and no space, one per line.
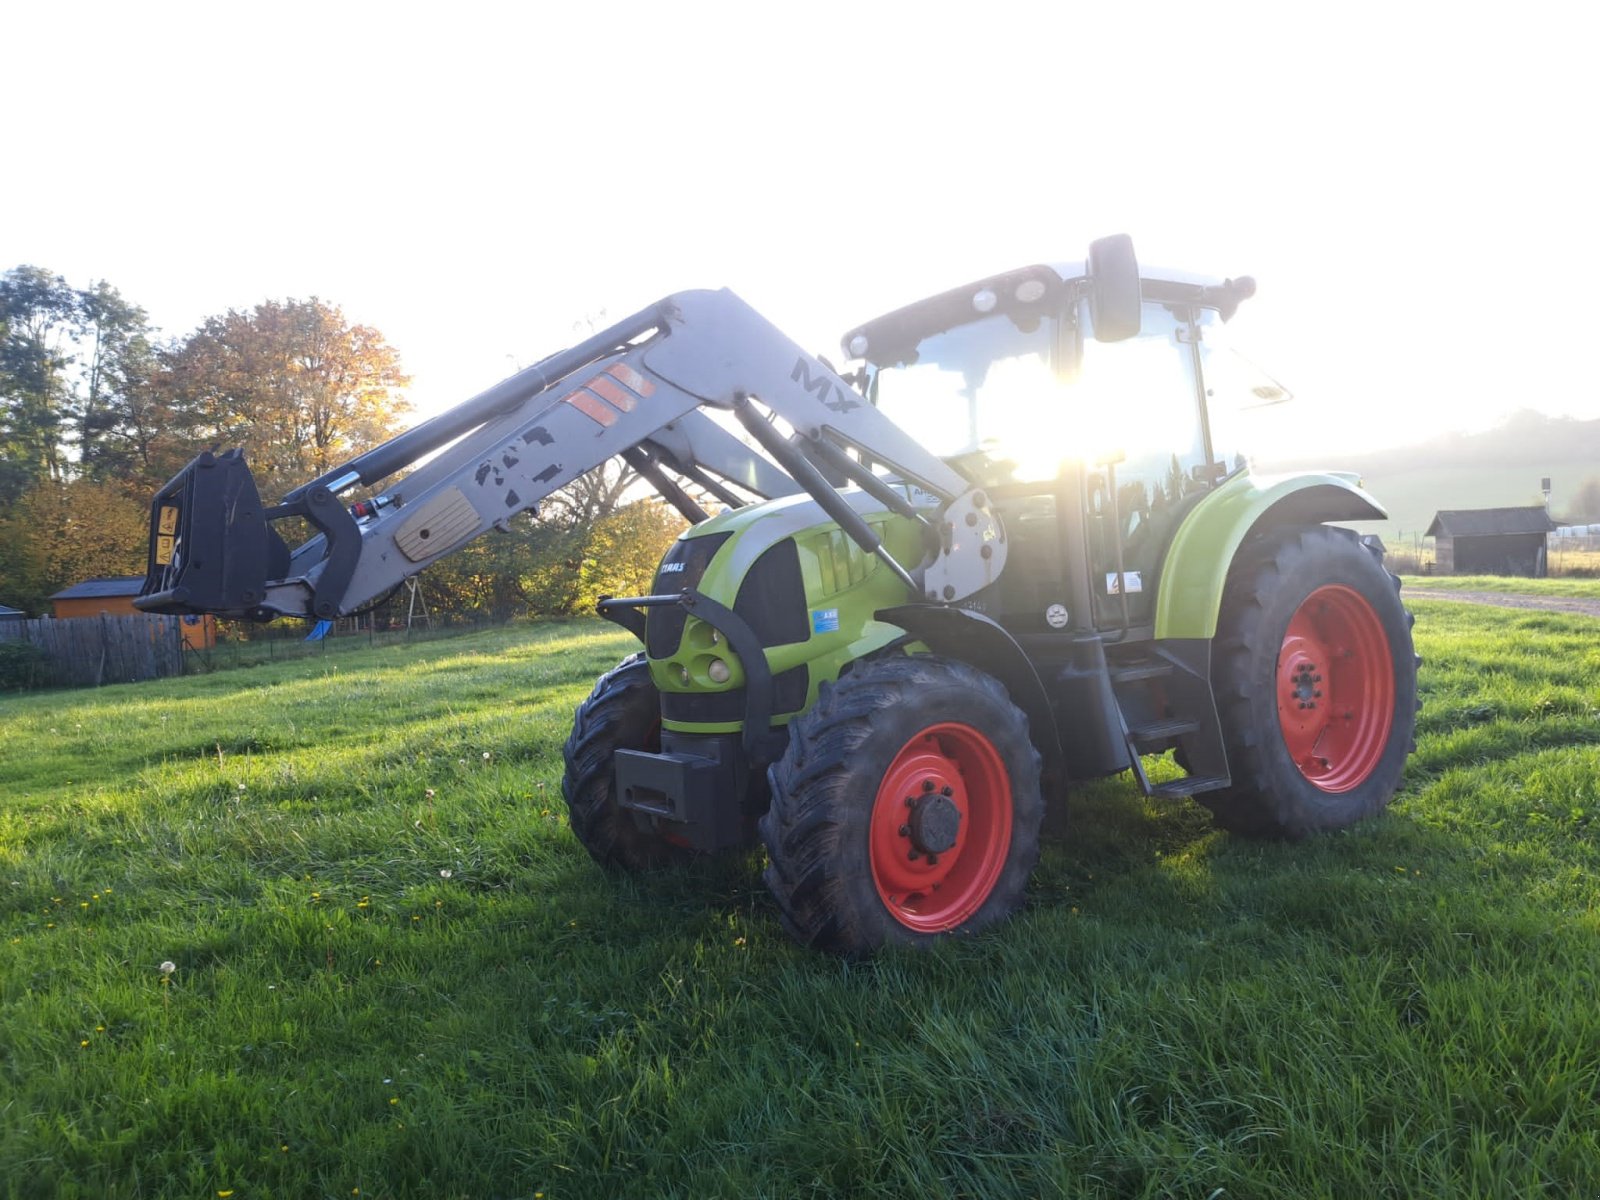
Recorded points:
1585,505
59,534
38,313
292,382
116,362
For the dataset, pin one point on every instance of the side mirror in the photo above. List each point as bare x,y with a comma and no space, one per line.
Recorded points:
1114,295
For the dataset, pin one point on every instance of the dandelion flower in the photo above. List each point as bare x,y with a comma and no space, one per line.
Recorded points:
85,1042
226,1192
392,1099
428,792
445,872
167,967
485,756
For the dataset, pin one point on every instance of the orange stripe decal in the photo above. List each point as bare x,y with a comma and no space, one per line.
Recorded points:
629,378
605,387
592,407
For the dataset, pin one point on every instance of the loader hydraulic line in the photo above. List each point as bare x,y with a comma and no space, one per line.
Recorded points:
792,460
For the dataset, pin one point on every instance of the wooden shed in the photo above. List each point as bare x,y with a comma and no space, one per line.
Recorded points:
114,595
1491,541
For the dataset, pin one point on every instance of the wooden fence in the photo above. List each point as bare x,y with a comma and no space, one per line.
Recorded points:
89,651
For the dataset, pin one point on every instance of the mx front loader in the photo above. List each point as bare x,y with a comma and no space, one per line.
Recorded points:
1017,547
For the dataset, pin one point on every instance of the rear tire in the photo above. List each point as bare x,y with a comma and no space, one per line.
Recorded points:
1316,685
622,713
906,808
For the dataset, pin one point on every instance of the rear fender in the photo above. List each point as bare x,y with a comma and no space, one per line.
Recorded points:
1197,563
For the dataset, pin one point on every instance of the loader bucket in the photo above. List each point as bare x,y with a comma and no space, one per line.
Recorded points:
211,550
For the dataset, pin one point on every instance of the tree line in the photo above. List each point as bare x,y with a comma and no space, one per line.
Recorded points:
97,411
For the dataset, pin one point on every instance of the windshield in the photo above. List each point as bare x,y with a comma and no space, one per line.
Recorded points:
977,386
1245,403
1029,394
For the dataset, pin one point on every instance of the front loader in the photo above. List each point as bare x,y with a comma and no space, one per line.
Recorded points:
1014,549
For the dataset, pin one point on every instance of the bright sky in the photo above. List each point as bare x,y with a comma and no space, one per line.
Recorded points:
1411,185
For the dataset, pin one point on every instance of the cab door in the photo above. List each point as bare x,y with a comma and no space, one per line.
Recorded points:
1146,452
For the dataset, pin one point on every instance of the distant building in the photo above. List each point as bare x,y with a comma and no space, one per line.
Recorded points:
114,595
11,614
1491,541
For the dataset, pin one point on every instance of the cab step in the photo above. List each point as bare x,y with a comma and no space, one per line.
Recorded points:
1189,785
1164,693
1162,730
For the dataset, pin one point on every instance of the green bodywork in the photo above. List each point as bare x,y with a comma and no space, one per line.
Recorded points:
1196,566
844,586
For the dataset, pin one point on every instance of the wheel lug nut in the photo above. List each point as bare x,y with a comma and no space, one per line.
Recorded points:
947,791
905,831
933,860
911,801
911,855
927,785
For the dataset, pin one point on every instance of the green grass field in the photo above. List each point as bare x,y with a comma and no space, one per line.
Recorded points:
1516,585
397,974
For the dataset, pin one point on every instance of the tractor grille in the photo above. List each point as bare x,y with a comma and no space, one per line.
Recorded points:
772,598
682,568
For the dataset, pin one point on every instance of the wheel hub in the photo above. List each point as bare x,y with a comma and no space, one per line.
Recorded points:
935,822
940,827
1337,697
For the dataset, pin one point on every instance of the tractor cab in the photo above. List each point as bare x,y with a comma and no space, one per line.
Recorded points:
1096,423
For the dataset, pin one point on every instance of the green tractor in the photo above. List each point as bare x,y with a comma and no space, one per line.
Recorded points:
1016,548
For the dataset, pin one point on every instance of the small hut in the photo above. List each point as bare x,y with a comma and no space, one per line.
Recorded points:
1491,541
114,595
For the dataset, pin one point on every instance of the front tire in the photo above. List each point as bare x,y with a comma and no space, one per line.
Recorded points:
622,713
1316,685
906,808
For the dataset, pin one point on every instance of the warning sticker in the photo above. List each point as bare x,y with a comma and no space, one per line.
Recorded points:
167,523
825,620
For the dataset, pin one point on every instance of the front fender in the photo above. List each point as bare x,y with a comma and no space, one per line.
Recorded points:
980,641
1202,550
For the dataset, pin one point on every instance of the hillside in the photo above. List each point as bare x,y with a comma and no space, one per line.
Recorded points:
1499,467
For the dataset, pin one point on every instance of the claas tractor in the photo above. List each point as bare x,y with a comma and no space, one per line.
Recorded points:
1013,547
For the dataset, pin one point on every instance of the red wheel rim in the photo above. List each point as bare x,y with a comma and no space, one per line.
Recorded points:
941,828
1335,688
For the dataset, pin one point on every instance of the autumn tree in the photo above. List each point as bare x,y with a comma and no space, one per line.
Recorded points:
59,533
292,382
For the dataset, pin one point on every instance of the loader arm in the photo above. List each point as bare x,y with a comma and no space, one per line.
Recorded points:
635,389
